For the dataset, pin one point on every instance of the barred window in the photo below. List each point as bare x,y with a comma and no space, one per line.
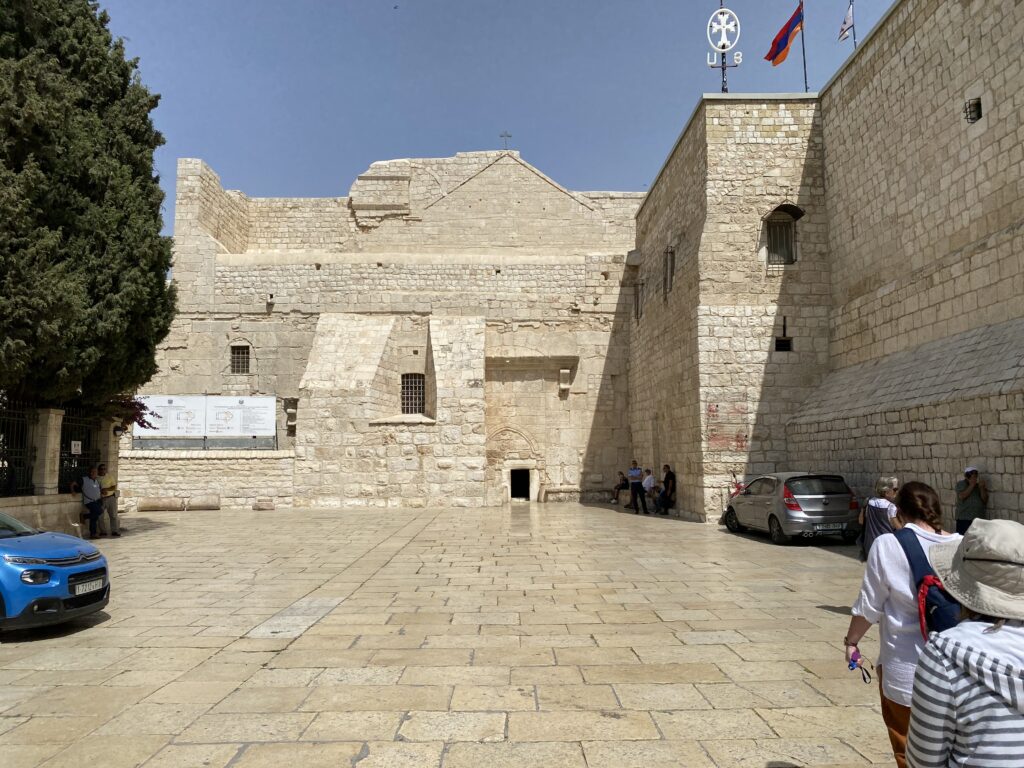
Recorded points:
780,235
240,358
669,271
414,398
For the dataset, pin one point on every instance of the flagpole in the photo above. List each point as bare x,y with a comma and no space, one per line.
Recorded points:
853,18
803,47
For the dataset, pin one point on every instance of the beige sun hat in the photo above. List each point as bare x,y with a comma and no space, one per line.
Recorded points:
985,569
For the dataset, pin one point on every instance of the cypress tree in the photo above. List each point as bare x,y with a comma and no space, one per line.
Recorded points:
84,297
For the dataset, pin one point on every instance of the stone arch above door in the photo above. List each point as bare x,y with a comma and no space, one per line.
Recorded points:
509,442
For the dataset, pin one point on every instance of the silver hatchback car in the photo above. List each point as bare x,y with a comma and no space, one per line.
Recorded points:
795,504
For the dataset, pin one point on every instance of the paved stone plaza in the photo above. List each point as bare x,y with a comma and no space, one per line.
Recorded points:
541,635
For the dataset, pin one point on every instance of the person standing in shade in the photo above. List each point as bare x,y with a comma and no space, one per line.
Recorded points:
108,495
650,486
879,514
91,499
667,497
971,499
635,475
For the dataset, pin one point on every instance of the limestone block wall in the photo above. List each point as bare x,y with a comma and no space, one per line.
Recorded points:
925,414
534,284
762,153
664,400
575,436
354,448
708,392
239,478
926,210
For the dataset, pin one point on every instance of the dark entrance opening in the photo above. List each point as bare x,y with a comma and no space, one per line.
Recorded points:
520,481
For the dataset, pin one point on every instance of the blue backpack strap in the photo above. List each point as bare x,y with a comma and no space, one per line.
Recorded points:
919,565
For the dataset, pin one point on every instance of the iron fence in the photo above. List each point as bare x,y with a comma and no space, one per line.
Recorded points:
17,449
79,446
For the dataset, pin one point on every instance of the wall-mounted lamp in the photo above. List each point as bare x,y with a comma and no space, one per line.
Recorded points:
118,430
972,110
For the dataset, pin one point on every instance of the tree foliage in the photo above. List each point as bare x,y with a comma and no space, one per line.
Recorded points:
84,298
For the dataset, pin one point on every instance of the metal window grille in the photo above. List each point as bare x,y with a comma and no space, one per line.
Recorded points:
17,452
240,359
79,429
670,271
414,393
781,235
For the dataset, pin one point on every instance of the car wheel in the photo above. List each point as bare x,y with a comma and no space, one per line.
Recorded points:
732,522
775,531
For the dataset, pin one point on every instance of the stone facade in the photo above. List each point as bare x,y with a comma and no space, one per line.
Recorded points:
500,287
562,333
902,306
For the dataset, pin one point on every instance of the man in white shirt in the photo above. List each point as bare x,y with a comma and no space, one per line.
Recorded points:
649,487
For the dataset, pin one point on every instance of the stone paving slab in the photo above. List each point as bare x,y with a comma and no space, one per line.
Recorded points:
537,635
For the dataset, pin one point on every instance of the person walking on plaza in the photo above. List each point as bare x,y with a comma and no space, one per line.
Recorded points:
888,597
971,499
968,703
108,495
636,487
667,497
91,499
879,514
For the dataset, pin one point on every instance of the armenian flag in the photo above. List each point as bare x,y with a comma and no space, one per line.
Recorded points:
785,38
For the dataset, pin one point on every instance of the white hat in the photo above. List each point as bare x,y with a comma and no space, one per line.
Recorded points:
970,469
985,569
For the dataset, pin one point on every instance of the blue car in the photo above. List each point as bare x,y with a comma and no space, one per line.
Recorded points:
47,578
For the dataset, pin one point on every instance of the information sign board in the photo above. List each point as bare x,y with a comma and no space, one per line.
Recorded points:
241,416
177,416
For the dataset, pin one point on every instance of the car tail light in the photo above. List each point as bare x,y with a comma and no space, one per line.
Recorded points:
854,506
789,500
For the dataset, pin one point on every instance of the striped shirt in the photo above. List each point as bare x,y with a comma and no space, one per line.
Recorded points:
968,703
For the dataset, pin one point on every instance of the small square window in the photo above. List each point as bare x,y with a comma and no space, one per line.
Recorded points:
414,393
240,358
783,344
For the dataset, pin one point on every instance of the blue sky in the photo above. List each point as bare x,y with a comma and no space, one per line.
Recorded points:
295,98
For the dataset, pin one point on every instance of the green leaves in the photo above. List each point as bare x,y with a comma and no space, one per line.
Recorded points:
83,293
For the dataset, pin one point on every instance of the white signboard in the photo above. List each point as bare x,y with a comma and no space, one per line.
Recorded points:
210,416
241,416
76,447
179,416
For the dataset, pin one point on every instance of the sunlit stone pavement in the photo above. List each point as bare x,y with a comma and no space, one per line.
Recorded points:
545,635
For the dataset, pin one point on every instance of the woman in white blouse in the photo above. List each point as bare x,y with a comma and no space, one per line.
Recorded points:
888,597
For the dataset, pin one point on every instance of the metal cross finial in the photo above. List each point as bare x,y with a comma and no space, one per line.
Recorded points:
505,136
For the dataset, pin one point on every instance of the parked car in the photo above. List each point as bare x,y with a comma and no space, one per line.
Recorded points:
795,504
47,578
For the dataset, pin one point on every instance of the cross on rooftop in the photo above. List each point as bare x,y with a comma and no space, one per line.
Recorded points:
505,136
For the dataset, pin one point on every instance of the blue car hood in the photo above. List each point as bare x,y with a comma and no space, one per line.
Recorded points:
49,545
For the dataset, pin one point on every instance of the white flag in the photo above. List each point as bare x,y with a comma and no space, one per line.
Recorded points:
844,31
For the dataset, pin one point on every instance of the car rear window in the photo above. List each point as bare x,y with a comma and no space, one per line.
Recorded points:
820,485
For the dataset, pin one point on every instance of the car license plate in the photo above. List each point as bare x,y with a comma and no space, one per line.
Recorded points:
829,526
88,586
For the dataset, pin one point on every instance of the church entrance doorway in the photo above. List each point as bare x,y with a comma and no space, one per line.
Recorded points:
519,484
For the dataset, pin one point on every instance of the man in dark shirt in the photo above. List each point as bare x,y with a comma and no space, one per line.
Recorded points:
667,497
